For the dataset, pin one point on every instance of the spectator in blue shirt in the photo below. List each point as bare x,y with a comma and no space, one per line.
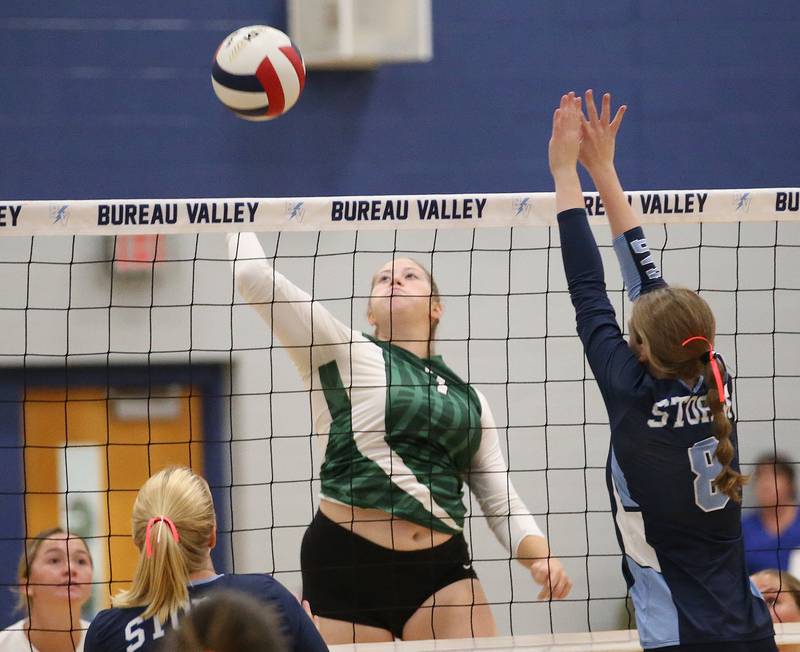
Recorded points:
772,531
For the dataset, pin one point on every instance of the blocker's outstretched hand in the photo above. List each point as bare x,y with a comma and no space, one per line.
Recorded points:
565,140
599,134
598,145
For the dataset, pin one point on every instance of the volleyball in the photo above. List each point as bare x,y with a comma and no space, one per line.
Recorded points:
258,73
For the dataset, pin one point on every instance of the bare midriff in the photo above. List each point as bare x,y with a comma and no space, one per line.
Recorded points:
381,528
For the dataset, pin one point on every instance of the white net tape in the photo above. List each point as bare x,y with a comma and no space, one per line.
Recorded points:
121,216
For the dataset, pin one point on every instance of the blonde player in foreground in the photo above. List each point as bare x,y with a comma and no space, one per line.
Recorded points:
672,472
175,529
385,556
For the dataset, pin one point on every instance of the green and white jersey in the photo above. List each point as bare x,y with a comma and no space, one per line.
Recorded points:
410,440
403,434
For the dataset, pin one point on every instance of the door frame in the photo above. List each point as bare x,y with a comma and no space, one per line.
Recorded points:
206,381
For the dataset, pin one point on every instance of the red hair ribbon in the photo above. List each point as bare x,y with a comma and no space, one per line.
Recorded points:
714,365
148,546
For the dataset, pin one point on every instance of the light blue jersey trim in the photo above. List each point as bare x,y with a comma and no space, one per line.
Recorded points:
621,483
627,265
656,614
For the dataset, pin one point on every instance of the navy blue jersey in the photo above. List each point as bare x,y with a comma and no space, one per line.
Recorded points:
683,555
123,630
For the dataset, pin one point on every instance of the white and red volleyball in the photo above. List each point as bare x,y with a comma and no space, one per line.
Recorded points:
258,73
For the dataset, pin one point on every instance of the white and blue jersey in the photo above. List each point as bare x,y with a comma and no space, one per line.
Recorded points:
124,630
683,555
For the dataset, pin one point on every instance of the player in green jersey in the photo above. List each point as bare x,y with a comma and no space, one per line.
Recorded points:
385,556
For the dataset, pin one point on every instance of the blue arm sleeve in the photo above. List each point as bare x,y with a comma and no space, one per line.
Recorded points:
639,269
614,365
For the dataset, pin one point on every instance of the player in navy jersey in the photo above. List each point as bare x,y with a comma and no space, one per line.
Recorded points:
772,529
672,470
174,528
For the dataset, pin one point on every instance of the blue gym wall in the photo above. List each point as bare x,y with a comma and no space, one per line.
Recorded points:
96,103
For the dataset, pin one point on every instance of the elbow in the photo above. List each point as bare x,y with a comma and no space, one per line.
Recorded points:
250,276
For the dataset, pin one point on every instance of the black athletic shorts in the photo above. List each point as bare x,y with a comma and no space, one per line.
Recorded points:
346,577
761,645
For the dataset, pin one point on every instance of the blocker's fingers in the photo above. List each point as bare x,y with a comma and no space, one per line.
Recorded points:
591,109
557,116
605,111
617,121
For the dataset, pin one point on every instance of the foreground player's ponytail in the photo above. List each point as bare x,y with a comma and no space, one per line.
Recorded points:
676,328
173,523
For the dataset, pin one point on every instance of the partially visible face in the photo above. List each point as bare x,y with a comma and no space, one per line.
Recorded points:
61,571
772,488
782,605
401,289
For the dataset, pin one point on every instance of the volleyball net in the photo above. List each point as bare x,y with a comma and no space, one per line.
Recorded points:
125,348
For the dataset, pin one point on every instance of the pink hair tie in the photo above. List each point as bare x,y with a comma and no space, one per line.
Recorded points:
713,361
148,546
